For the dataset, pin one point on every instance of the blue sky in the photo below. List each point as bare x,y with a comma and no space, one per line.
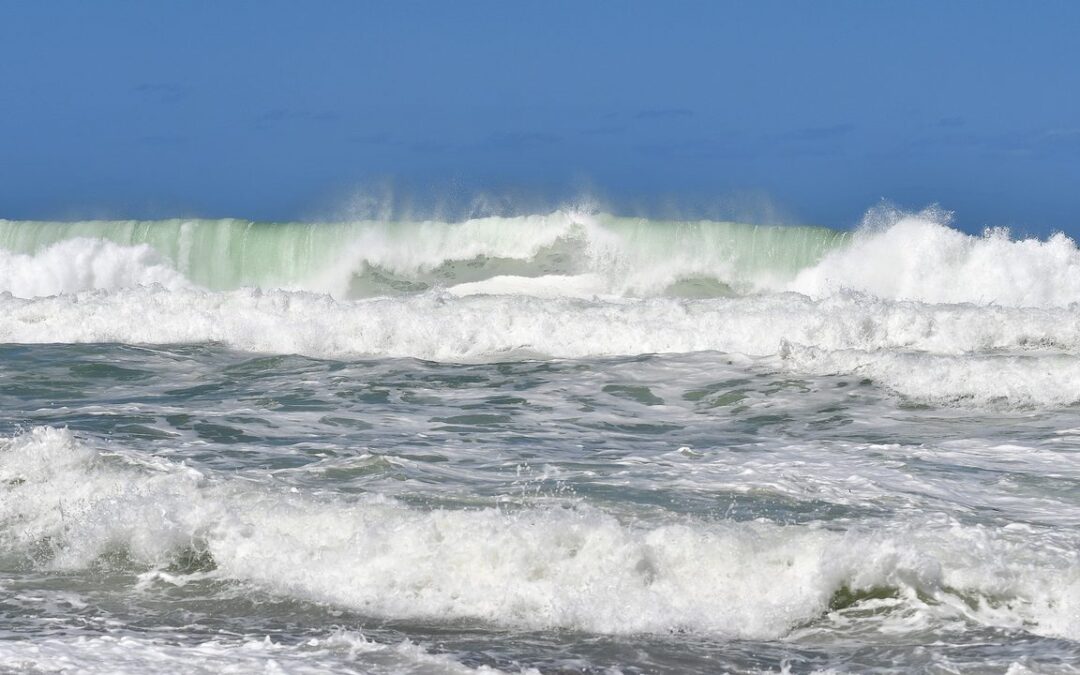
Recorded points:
798,111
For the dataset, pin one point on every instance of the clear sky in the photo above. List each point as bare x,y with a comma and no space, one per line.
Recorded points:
804,111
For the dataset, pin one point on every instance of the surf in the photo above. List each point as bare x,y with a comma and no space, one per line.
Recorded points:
69,506
893,255
359,259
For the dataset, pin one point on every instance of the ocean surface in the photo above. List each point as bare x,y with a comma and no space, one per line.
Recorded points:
567,442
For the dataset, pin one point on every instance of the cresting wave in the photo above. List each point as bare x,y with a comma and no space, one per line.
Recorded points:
931,353
605,254
67,506
935,315
893,256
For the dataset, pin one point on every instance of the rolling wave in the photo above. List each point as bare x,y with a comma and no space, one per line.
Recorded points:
936,315
578,569
346,260
900,257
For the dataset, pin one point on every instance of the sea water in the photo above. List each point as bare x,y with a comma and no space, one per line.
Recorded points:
565,443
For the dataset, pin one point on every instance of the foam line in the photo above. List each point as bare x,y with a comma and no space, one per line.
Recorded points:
66,504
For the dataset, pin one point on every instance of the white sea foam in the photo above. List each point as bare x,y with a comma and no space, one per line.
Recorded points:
583,286
82,264
894,256
444,327
66,504
918,257
629,256
1028,380
342,652
996,354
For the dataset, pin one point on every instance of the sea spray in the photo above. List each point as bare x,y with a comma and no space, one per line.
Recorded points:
633,256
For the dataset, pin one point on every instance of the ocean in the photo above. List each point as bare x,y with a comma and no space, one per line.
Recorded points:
563,442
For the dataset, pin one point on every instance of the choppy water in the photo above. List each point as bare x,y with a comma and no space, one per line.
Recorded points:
675,450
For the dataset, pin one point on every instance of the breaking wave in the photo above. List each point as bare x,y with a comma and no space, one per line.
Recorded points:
935,315
962,354
627,256
893,256
66,506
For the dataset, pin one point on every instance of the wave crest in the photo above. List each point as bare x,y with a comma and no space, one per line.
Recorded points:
80,264
579,569
894,255
919,257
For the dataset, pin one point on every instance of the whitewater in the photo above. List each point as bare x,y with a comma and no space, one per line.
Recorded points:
560,442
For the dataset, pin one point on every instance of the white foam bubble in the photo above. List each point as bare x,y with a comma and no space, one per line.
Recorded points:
997,353
56,485
625,256
576,568
85,264
986,380
919,257
549,286
342,652
894,256
443,327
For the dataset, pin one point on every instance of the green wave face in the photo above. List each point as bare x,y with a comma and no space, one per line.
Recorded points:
625,255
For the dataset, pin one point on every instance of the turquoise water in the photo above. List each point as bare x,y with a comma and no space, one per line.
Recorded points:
357,259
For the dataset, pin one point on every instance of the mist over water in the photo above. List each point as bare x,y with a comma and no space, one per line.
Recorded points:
561,441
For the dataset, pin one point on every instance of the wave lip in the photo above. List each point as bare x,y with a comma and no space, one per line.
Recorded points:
919,257
893,256
81,264
537,568
630,256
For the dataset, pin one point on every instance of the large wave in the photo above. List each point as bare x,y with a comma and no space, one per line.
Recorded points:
935,315
627,256
893,256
